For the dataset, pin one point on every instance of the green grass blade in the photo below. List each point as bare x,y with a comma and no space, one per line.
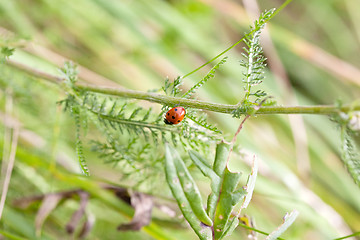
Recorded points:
222,153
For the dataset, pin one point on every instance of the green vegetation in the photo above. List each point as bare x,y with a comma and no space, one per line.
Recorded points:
268,147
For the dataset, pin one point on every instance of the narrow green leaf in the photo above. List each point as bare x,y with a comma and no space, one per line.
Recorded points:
288,220
229,197
186,193
225,194
11,236
231,227
189,187
222,152
202,164
250,185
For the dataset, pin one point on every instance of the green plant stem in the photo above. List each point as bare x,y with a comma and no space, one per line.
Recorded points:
348,236
215,107
191,103
256,230
232,46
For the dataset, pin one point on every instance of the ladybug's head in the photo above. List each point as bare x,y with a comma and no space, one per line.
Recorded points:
167,122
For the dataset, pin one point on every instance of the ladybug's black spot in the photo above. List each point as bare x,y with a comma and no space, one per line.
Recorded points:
168,114
175,109
167,122
173,117
178,120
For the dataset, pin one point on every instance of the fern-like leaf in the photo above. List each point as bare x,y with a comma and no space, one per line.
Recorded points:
172,88
69,73
5,53
74,104
254,64
350,155
78,144
201,121
209,75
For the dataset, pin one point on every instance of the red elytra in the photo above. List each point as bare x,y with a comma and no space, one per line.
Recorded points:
175,115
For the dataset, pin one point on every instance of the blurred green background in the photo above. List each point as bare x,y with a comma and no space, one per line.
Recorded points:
313,50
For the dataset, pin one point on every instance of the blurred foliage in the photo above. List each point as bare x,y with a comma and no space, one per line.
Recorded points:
137,44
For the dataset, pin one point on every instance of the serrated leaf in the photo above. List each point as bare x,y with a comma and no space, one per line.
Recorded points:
112,111
147,115
349,155
134,113
7,52
186,193
202,122
102,106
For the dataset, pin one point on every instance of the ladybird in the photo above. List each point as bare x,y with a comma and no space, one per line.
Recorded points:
175,115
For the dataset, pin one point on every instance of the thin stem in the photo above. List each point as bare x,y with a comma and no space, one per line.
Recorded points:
235,137
191,103
348,236
217,56
232,46
256,230
239,129
216,107
282,6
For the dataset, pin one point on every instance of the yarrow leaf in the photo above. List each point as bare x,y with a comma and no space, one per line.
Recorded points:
254,64
350,155
209,75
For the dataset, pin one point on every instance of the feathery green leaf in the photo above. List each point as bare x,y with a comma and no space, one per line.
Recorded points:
209,75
